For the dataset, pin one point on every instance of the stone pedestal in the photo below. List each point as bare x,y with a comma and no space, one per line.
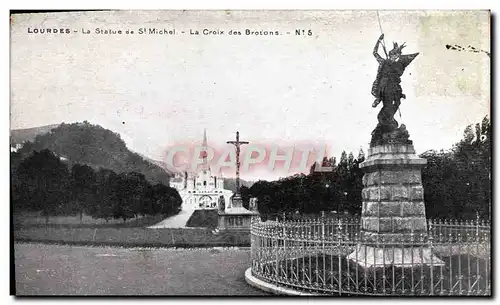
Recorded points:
393,208
235,217
236,201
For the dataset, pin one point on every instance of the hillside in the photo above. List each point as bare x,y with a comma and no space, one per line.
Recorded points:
95,146
230,183
18,136
161,164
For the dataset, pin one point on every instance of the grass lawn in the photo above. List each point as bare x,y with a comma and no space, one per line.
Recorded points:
24,220
203,218
132,237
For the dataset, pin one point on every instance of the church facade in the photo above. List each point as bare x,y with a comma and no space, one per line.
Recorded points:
201,189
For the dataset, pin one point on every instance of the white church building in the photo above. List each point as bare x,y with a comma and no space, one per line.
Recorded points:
201,189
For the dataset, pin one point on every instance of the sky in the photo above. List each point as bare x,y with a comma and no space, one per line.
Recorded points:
159,91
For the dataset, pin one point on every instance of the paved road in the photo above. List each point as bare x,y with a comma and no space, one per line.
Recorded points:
176,221
66,270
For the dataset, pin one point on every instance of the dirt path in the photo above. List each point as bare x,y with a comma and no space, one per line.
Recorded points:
176,221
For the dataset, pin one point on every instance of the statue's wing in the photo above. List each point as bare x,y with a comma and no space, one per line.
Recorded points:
407,59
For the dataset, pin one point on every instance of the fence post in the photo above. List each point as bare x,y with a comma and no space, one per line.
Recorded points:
323,220
478,276
323,231
422,241
252,241
431,238
412,247
459,237
284,256
339,254
276,234
477,223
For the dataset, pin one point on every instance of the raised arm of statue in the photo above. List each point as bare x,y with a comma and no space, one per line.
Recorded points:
375,50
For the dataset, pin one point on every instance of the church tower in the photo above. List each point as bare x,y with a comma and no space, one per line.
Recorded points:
204,165
202,190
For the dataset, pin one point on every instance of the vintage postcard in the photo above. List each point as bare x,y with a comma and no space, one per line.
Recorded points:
239,153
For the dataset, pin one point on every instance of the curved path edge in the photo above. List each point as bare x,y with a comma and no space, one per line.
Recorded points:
260,284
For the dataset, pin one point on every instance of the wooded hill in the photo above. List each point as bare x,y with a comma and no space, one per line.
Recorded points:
92,145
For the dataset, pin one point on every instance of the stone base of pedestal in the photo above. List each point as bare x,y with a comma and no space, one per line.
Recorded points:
393,195
236,202
393,207
368,257
235,219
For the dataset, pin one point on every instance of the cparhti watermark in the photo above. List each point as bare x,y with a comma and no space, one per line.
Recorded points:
297,158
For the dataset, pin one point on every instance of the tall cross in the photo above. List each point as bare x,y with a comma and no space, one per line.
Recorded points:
237,143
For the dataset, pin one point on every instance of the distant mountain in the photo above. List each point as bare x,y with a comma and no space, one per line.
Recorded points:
18,136
95,146
161,164
230,183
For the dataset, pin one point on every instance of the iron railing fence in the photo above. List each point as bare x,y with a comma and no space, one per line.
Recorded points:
330,255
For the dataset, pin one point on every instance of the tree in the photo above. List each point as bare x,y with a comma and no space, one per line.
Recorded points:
42,185
438,179
338,189
106,194
457,183
245,196
83,188
263,191
126,190
473,159
354,199
165,200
